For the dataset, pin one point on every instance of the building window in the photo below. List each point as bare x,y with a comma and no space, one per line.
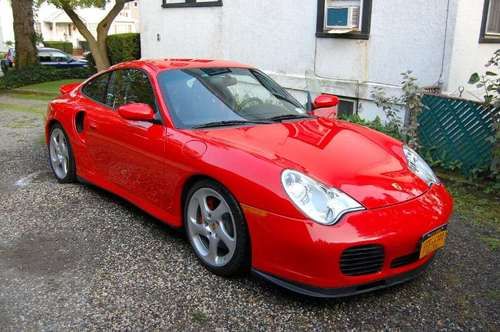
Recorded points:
191,3
344,19
490,28
346,108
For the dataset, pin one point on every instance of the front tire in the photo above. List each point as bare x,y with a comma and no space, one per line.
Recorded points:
61,158
216,229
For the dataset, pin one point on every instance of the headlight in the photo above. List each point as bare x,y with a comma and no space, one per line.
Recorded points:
320,203
418,166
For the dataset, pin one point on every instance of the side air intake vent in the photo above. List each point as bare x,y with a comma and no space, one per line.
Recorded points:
80,117
362,260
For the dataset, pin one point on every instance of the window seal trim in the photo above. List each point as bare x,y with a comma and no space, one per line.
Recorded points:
484,37
192,4
364,34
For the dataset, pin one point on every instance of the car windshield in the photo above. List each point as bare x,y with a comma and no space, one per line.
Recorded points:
212,97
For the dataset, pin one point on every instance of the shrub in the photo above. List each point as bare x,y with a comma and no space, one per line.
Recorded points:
38,74
391,128
123,47
60,45
411,100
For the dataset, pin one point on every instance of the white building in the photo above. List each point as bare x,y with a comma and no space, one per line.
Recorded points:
55,25
346,46
6,24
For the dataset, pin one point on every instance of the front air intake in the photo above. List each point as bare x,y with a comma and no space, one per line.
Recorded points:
362,260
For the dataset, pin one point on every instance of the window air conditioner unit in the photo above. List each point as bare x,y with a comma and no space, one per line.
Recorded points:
342,18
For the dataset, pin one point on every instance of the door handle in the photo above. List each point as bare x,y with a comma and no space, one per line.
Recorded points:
92,125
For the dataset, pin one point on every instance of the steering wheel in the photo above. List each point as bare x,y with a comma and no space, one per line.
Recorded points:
254,101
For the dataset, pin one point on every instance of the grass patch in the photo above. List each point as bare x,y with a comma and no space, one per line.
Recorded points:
21,108
199,316
29,96
477,207
47,88
492,242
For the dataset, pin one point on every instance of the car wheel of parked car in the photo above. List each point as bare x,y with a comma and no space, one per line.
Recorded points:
216,228
61,157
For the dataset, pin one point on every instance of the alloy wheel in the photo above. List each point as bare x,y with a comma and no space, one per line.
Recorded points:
211,227
59,153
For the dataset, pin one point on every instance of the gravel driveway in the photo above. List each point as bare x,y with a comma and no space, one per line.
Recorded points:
76,257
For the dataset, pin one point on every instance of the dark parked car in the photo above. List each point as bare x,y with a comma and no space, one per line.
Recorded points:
56,58
47,57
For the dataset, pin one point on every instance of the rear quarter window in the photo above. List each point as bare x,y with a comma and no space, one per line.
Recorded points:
97,88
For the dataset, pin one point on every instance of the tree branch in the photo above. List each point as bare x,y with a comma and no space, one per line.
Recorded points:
80,25
105,24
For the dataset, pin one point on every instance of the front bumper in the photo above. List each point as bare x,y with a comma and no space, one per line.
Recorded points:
330,293
304,256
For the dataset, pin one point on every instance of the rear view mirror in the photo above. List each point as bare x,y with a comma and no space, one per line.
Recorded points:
137,112
325,101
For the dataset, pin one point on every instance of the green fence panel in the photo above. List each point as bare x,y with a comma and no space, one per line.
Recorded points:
457,132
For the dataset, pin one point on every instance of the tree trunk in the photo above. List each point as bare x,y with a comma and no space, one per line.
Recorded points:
24,33
97,45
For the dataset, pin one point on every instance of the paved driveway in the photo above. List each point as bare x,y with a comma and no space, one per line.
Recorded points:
76,257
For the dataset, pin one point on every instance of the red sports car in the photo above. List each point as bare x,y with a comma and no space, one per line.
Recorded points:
320,206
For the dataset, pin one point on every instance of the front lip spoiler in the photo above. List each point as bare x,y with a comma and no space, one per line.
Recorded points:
330,293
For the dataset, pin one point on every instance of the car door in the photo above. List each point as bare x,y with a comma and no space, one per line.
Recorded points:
129,154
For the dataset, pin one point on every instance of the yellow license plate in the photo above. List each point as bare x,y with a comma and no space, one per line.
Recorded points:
433,243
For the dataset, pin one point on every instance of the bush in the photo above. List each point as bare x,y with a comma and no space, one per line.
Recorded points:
390,128
60,45
123,47
38,74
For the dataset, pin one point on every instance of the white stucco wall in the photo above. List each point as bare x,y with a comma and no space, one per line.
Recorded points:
279,37
468,55
6,27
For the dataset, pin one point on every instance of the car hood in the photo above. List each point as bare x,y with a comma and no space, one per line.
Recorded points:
365,164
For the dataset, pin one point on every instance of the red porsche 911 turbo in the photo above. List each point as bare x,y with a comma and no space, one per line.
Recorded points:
319,206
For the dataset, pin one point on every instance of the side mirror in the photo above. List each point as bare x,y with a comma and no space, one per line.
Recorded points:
137,112
67,88
325,101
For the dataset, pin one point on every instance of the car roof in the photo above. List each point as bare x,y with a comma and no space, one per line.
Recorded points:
48,49
179,63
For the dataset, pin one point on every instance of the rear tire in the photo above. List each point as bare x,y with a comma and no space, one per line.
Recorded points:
216,228
61,159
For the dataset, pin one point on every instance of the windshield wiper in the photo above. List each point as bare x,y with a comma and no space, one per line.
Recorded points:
230,123
280,96
290,117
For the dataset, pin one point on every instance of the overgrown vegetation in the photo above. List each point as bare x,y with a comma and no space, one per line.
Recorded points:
123,47
490,82
410,100
38,74
390,128
476,206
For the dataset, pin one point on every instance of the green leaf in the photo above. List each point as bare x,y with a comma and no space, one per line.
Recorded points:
474,78
490,73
